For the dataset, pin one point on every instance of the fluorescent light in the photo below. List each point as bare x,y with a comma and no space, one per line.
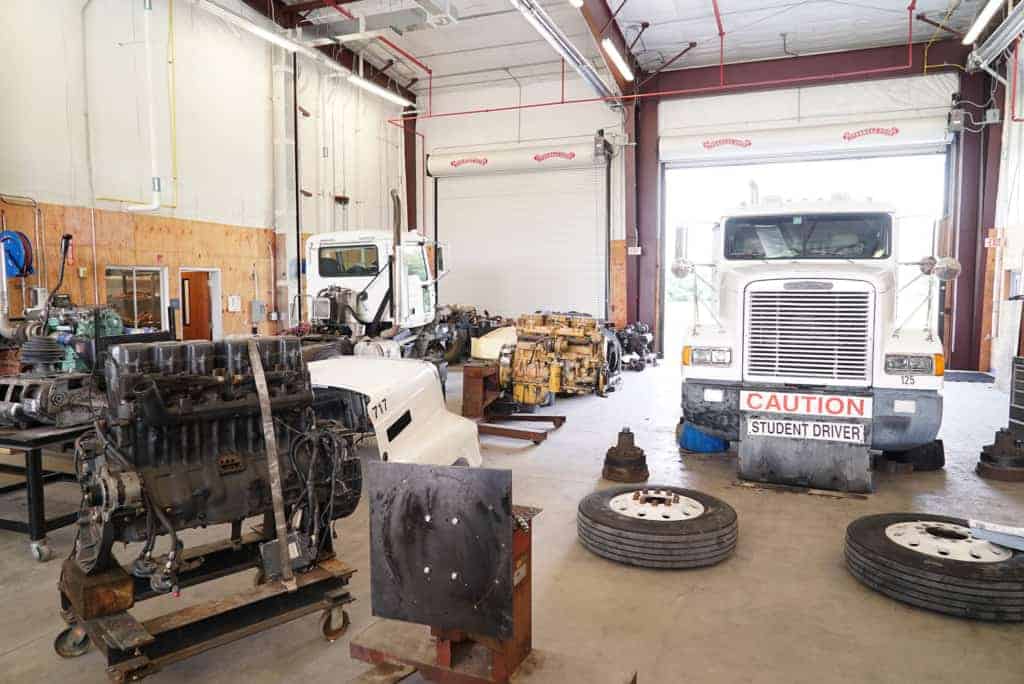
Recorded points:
550,32
372,87
1001,38
251,26
982,21
576,3
617,60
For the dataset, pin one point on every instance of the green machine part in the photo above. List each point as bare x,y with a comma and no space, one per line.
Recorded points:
108,322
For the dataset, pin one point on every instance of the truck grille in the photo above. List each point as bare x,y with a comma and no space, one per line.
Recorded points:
809,336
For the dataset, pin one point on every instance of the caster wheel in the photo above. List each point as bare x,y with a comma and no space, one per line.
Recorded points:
331,626
72,642
41,551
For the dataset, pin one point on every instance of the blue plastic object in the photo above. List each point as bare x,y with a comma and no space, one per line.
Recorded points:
17,252
699,442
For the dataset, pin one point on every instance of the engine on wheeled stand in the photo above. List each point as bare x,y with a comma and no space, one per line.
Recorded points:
197,434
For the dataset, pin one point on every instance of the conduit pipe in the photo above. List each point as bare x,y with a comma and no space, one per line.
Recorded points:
1013,88
154,203
695,91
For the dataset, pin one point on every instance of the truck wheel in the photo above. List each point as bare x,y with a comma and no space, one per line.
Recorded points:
657,526
931,456
934,562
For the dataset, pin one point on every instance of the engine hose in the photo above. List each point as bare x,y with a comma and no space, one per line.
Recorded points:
65,247
172,555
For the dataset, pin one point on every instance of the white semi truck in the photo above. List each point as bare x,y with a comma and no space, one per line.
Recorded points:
396,373
796,351
360,286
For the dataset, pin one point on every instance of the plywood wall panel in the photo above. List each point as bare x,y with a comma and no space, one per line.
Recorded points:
124,239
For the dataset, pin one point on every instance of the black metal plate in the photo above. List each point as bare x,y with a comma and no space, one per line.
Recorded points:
441,546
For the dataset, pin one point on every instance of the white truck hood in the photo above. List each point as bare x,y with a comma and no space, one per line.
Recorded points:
431,434
736,276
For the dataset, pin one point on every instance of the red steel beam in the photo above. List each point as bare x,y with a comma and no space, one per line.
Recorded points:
601,21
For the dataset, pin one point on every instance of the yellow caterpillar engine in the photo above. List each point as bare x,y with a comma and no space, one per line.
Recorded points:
560,354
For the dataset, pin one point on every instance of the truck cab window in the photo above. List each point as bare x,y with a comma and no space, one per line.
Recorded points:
835,236
416,262
348,261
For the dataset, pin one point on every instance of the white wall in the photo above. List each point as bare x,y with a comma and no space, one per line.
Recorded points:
1010,218
535,126
224,102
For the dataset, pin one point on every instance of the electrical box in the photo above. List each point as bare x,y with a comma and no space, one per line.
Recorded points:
258,311
992,116
957,119
234,303
635,251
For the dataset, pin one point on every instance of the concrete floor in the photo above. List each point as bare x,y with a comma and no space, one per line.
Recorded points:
782,609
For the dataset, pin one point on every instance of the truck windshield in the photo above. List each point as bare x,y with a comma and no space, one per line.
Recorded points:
348,261
809,236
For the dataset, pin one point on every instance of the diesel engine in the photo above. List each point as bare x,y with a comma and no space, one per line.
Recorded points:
183,444
560,354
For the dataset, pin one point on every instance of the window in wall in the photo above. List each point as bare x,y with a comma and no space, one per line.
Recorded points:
138,296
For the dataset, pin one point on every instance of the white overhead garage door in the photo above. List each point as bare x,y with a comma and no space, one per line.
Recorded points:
876,118
526,229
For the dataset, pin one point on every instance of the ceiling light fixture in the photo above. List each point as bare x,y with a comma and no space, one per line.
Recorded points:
371,87
255,29
295,46
613,53
549,31
981,22
576,3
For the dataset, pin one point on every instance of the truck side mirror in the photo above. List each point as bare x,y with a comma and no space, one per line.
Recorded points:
945,269
682,268
441,267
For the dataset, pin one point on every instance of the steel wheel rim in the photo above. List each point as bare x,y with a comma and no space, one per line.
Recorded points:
658,505
945,541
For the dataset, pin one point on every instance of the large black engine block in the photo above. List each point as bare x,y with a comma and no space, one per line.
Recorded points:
182,445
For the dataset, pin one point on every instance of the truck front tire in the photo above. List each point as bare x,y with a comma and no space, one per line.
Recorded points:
927,457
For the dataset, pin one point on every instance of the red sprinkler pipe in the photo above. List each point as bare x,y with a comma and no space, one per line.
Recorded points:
724,88
721,43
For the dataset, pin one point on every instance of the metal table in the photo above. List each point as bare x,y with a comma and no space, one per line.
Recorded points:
31,443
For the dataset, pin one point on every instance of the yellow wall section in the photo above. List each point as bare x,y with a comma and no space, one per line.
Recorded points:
124,239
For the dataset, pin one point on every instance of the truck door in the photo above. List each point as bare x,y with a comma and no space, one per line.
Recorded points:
418,293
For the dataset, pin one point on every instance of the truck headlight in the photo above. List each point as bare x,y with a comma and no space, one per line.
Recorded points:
707,356
915,364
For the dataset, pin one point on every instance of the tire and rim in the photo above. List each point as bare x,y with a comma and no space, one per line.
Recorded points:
935,562
657,526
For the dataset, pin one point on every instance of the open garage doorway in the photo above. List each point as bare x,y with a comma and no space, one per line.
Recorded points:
697,197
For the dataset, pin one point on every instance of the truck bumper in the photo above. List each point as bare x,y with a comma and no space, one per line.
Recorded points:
916,421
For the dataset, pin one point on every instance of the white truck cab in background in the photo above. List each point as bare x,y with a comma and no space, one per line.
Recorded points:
349,279
796,351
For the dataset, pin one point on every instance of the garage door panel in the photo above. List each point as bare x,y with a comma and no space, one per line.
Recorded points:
525,241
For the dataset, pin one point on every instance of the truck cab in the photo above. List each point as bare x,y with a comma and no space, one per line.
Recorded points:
796,343
349,277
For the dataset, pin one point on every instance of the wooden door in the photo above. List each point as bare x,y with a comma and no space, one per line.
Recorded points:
196,309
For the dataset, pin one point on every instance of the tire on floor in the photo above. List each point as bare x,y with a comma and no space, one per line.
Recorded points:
934,562
657,526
